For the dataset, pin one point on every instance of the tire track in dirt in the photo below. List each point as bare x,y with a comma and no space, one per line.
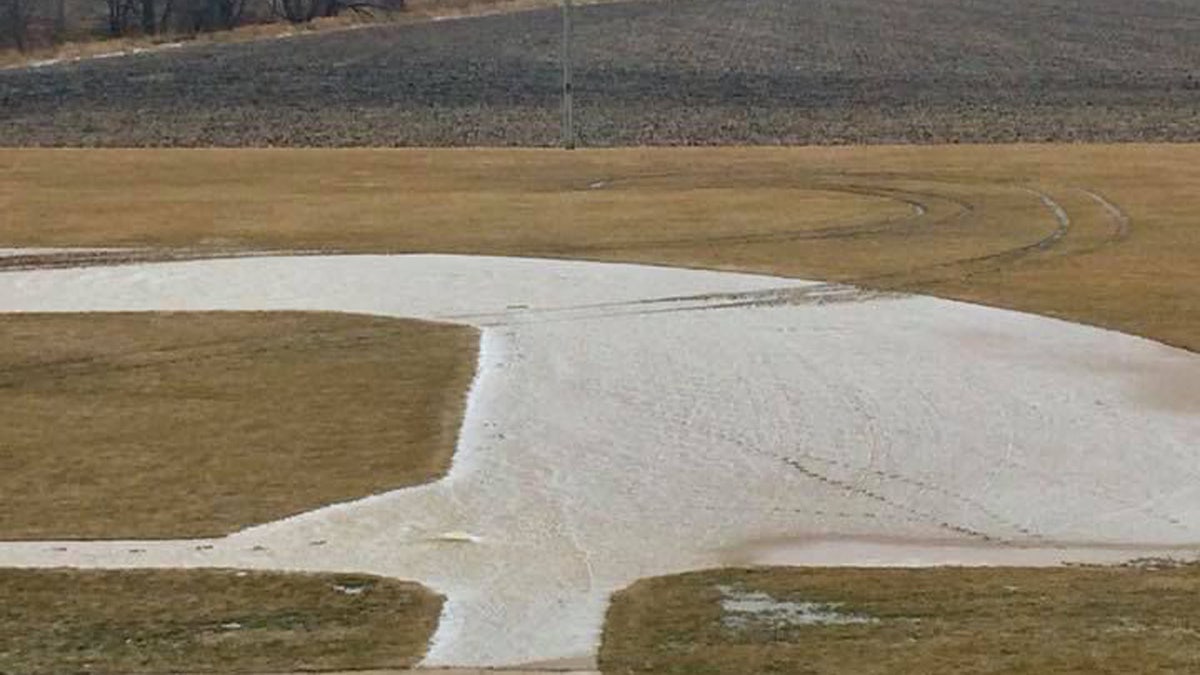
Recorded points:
816,294
801,462
924,486
859,491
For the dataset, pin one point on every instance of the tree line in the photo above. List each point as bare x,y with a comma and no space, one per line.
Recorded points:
25,24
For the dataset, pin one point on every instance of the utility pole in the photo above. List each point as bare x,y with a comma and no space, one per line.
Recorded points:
568,93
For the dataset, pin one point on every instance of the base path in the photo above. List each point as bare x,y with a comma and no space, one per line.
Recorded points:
629,421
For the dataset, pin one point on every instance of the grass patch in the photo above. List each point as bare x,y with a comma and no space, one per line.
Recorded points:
148,621
941,620
198,424
822,213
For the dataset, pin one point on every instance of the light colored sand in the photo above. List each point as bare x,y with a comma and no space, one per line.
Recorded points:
611,437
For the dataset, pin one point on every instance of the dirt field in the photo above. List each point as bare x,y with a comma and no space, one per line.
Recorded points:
134,426
874,622
209,621
670,72
984,233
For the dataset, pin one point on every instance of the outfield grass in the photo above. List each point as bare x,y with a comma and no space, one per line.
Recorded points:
150,621
198,424
820,213
1084,621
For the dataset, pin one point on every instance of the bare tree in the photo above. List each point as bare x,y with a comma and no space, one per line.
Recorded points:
14,22
303,11
228,13
149,22
119,14
166,16
211,15
60,19
126,15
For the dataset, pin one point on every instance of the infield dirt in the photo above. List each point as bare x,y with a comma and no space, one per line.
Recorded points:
699,410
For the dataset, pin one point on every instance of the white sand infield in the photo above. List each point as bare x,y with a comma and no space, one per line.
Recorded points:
629,421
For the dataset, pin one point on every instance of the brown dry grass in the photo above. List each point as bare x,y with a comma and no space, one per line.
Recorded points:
199,424
1085,621
150,621
520,202
789,211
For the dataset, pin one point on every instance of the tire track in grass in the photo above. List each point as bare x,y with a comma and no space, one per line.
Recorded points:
1121,222
1121,225
920,202
979,263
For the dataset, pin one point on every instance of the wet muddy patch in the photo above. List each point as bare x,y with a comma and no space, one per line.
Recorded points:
743,609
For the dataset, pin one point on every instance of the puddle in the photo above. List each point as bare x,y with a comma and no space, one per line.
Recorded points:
741,609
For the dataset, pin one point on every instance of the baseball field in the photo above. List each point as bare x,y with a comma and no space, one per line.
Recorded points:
833,408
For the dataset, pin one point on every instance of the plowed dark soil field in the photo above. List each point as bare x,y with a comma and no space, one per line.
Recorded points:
655,72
